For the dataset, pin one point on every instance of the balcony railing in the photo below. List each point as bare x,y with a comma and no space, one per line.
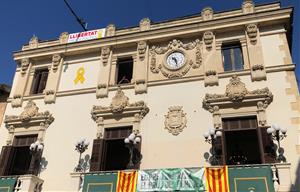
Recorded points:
21,183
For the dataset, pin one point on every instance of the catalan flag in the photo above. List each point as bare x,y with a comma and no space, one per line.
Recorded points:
217,179
127,181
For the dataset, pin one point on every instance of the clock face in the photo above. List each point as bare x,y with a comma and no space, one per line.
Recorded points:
175,60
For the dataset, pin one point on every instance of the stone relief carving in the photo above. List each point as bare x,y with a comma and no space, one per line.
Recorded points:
17,101
261,106
173,46
101,91
248,7
252,31
34,42
145,24
49,96
208,38
258,72
119,104
141,86
55,62
207,13
31,111
236,92
105,52
142,46
110,30
175,120
24,65
211,78
63,38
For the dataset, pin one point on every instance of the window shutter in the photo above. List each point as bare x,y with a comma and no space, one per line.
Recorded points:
138,155
268,146
5,159
96,159
219,151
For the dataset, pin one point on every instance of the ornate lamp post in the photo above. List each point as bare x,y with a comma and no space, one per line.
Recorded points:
211,137
277,133
81,146
131,143
35,148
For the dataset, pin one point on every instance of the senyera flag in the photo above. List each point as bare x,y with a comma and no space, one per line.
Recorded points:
217,179
127,181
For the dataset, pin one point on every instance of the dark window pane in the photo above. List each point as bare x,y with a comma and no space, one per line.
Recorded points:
124,70
232,57
39,81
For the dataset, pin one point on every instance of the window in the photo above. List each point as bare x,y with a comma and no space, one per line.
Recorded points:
232,57
124,70
244,142
17,158
39,81
111,152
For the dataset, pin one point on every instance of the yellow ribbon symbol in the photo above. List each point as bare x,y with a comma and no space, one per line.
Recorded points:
80,76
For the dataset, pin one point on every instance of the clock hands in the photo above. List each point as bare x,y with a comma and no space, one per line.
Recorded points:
175,61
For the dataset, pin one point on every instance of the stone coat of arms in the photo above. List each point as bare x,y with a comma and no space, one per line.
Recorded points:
175,120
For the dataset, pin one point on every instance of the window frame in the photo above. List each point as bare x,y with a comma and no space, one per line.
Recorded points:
232,46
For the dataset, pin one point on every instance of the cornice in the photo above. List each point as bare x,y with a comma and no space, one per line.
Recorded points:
195,28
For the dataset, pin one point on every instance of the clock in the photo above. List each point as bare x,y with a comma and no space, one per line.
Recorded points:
175,60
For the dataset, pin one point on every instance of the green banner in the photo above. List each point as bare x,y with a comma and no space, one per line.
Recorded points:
7,184
251,178
171,180
104,182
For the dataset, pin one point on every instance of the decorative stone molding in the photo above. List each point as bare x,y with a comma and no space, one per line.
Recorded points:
141,48
252,32
211,78
29,118
261,113
207,13
208,38
34,42
24,65
50,96
175,45
145,24
63,38
110,30
118,109
248,7
105,52
175,120
17,101
56,58
236,93
101,91
140,86
258,72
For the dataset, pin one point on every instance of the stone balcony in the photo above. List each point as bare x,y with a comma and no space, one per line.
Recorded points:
22,183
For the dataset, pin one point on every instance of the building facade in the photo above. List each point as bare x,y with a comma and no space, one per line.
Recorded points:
4,93
168,83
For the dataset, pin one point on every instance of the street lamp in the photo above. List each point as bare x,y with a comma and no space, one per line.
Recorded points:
131,143
277,133
81,146
211,137
35,148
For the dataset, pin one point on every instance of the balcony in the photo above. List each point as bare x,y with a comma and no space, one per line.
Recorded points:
22,183
252,178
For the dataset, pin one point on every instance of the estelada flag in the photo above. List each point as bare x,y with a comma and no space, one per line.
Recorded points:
217,179
127,181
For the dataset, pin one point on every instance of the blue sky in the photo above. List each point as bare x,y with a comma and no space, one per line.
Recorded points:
20,20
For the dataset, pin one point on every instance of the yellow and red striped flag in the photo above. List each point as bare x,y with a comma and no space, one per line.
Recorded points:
217,179
127,181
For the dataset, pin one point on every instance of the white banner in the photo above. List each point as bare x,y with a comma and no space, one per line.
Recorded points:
86,35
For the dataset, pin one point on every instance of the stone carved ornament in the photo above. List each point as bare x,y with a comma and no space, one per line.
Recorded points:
120,103
252,31
145,24
248,6
34,42
175,45
208,38
207,13
142,46
55,61
63,38
175,120
24,65
110,30
105,51
236,92
31,111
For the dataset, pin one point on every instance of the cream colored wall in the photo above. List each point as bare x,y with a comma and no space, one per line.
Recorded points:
271,50
160,148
